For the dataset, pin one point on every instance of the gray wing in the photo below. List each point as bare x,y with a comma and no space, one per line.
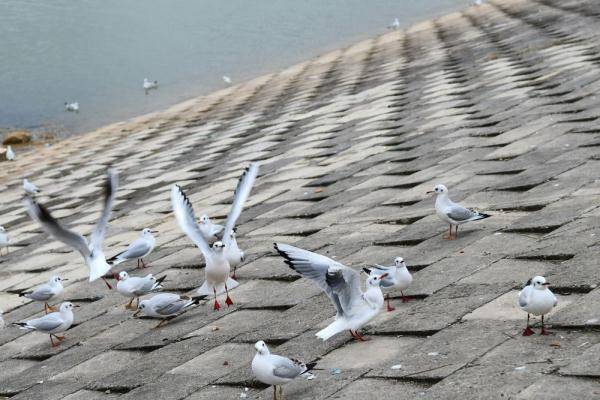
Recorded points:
110,191
312,266
169,304
378,270
39,213
184,213
47,322
135,250
242,191
345,283
285,368
523,296
460,213
40,293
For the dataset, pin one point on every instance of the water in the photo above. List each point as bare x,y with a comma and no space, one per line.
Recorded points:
98,52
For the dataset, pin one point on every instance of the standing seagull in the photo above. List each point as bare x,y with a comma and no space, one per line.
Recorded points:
10,154
536,299
149,85
4,240
91,251
136,286
217,269
46,292
452,213
397,277
30,188
235,256
210,230
139,249
166,306
1,320
52,323
227,79
72,107
276,370
342,284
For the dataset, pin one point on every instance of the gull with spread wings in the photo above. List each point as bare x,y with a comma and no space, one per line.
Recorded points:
218,268
91,251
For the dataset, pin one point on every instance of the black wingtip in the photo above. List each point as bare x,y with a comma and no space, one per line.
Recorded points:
22,294
367,270
19,323
198,299
286,258
484,216
310,366
161,279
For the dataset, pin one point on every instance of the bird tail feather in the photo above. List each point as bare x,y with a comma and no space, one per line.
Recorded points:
332,329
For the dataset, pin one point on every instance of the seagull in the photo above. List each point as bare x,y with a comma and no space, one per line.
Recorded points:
30,188
217,270
342,285
211,231
166,306
395,24
1,320
149,85
91,250
46,292
452,213
136,286
276,370
52,323
10,154
72,107
397,276
4,239
139,249
235,256
227,79
536,299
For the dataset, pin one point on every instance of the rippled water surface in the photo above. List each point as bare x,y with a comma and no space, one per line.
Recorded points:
98,52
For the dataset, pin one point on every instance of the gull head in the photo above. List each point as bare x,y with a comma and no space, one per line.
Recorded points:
56,279
539,283
66,306
439,189
399,262
261,348
2,229
375,280
218,246
148,232
123,276
204,219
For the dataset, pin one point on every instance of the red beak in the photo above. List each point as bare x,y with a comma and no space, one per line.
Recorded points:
383,275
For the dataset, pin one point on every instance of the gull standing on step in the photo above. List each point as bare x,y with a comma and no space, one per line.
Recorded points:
235,256
217,279
211,231
4,240
10,154
354,308
138,249
52,323
91,251
276,370
136,286
149,85
1,320
30,188
72,107
46,292
536,299
166,306
452,213
395,25
397,277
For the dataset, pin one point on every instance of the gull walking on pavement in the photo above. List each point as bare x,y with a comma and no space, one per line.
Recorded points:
139,249
397,277
276,370
452,213
52,323
536,299
46,292
91,251
136,286
166,306
30,188
4,240
217,279
354,308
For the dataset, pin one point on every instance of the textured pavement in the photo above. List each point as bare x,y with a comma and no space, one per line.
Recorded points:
497,102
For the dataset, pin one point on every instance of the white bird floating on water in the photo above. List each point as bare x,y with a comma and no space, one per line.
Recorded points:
217,279
91,251
30,188
227,79
138,249
354,307
46,292
149,85
4,240
72,107
52,323
166,306
10,154
276,370
452,213
536,299
398,276
135,286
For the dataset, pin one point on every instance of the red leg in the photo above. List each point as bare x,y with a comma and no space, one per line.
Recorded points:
107,284
544,331
389,307
143,263
404,298
353,335
528,331
52,341
233,276
448,236
228,300
361,337
456,232
138,263
217,306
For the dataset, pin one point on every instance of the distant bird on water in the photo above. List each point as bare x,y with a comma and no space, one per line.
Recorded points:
72,107
149,85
